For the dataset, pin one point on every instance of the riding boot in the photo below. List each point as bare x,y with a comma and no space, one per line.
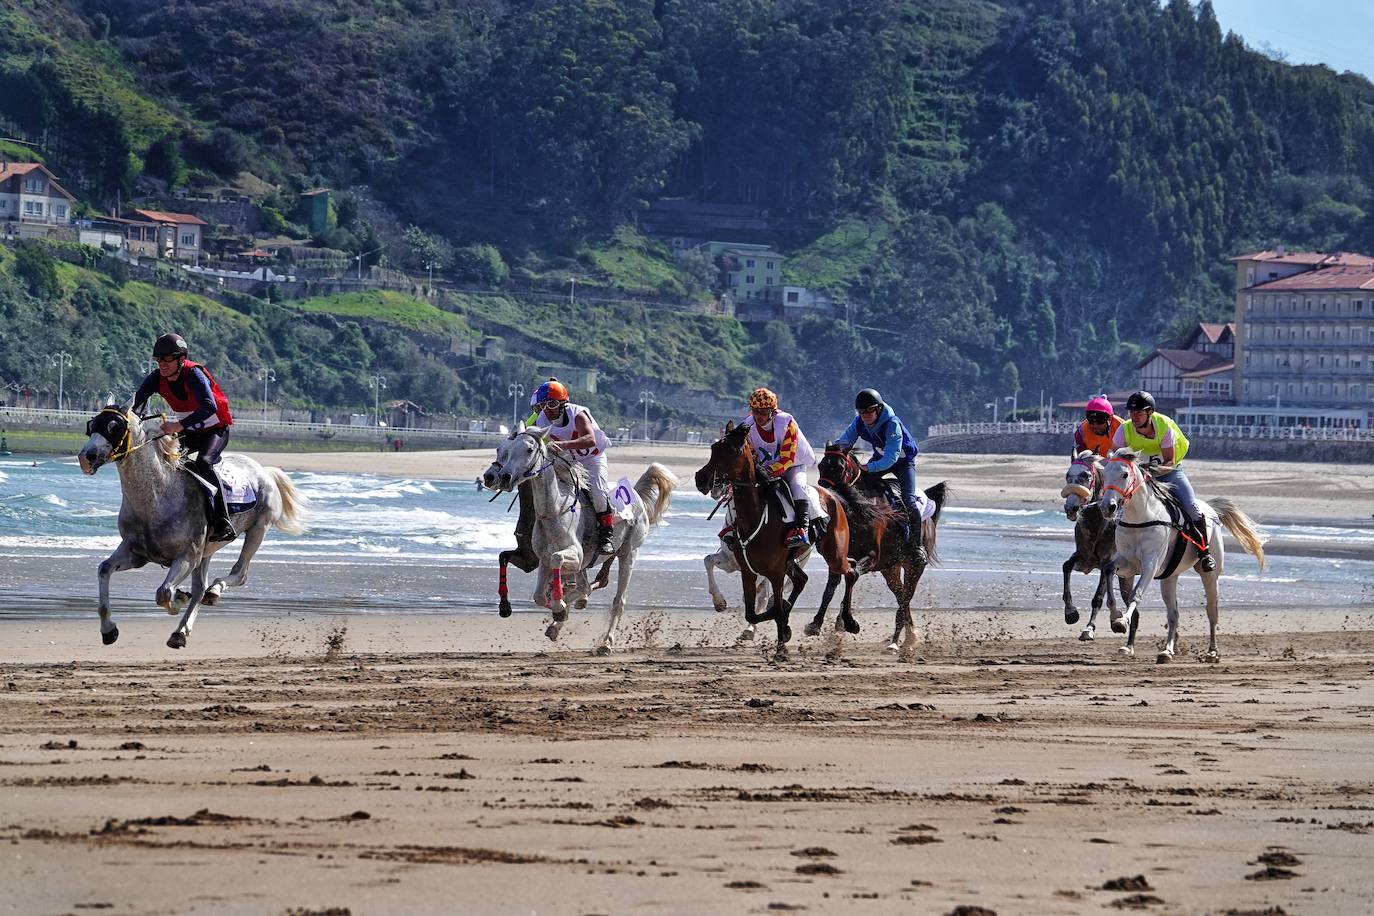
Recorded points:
915,537
221,529
797,534
1205,561
605,529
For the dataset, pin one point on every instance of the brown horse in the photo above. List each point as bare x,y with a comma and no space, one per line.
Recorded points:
876,541
759,547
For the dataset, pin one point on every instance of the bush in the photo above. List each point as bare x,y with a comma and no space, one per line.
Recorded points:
480,262
34,265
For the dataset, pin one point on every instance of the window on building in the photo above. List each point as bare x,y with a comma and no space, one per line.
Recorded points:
4,204
749,280
769,265
1359,305
188,240
1249,303
1309,305
1249,276
33,185
60,211
792,296
767,281
749,263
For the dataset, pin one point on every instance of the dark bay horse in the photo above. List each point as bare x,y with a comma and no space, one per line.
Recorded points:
1094,537
759,547
876,541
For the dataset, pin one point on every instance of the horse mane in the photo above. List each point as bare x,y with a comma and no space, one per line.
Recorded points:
169,449
570,472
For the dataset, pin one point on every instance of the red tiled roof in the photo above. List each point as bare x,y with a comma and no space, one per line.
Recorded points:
1314,258
1187,360
159,216
1327,278
10,170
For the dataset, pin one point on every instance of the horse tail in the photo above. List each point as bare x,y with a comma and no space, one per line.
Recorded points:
1241,526
658,480
291,518
929,528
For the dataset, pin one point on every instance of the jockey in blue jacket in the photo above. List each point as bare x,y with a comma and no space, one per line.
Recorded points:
894,449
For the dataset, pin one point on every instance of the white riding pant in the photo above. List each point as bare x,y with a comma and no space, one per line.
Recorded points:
796,484
597,483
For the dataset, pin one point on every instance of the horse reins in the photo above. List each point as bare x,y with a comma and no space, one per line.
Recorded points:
122,449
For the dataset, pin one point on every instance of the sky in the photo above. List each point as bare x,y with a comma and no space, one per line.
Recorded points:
1332,32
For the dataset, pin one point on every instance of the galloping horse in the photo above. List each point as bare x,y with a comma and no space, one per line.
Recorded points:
162,516
1093,534
561,547
1151,544
760,549
522,555
876,543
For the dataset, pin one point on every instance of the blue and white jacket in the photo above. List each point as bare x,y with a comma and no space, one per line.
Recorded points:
891,440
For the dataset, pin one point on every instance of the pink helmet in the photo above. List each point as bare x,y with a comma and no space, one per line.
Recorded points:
1099,404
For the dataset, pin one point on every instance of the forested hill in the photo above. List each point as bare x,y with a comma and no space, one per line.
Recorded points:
1013,195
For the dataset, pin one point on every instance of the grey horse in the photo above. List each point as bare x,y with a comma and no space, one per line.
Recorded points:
1094,538
162,516
563,547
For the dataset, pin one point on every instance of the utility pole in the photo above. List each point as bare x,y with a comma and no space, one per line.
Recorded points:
572,291
1012,398
267,374
516,390
992,405
378,383
646,397
62,359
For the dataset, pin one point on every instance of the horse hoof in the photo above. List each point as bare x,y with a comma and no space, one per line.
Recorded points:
1127,650
1164,658
503,609
721,605
1086,635
893,646
1119,625
851,625
109,636
1071,616
581,603
786,635
602,649
177,640
812,629
781,654
552,632
211,598
1212,657
747,635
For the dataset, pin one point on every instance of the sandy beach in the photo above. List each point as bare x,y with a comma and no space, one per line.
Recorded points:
298,760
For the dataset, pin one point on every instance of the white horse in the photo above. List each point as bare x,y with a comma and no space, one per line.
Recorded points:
1151,546
561,546
162,515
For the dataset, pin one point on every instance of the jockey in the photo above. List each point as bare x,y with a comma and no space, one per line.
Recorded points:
1099,425
782,451
202,419
894,449
573,431
1158,436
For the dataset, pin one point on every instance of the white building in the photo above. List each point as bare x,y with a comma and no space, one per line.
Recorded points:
31,200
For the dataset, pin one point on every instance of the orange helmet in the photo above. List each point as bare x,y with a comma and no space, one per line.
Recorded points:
763,399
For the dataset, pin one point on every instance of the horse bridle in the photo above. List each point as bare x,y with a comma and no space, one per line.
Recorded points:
1094,480
122,449
1135,478
849,465
543,447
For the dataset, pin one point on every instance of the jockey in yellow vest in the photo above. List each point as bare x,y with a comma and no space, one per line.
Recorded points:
1158,436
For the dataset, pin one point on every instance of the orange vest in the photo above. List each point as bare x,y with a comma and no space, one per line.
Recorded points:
1099,445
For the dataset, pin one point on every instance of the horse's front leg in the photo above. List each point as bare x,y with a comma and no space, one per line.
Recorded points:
749,584
711,561
502,591
1210,586
183,631
167,592
1070,612
238,576
122,559
846,618
1136,592
557,606
780,614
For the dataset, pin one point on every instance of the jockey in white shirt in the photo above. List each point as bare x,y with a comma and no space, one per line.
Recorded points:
573,432
783,452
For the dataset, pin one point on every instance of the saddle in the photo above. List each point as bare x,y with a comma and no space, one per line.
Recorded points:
779,500
239,493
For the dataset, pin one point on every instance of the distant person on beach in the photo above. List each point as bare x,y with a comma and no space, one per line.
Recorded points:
1098,428
573,432
202,418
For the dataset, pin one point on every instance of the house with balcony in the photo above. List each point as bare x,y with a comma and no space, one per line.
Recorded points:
1200,371
159,234
32,201
1304,340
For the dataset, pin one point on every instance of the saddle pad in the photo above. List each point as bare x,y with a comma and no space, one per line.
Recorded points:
239,491
623,498
812,497
894,498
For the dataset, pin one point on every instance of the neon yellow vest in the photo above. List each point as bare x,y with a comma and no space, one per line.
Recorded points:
1144,446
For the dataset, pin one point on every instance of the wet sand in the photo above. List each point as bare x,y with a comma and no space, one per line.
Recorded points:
362,763
294,760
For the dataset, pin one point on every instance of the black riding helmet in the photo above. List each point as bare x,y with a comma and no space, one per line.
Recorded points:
170,345
868,399
1141,400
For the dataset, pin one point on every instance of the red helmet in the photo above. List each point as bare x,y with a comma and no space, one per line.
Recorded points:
552,390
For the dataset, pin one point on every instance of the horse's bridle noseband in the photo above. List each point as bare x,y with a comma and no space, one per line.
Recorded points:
1135,478
122,449
849,465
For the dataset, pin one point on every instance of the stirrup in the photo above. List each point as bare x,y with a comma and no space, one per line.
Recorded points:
221,534
797,538
1206,561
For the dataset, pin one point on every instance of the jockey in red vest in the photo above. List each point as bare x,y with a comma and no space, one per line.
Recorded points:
203,418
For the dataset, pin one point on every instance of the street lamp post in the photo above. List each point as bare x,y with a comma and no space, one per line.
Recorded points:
1012,397
572,291
267,374
378,383
646,397
1278,405
61,360
992,405
516,391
